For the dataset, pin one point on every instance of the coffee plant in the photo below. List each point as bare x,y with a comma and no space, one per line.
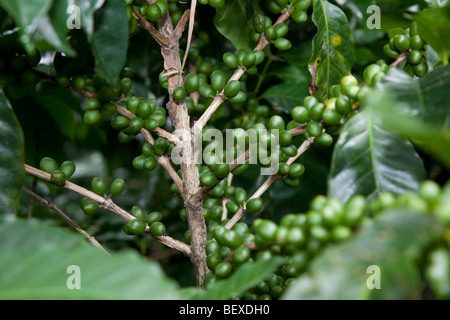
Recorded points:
224,149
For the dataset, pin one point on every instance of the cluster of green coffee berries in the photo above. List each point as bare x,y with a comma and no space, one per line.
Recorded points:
430,198
158,9
297,8
408,40
147,160
16,67
144,223
59,173
103,103
301,236
263,25
147,115
228,249
100,187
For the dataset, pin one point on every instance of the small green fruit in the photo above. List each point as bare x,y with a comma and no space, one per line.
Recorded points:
117,186
48,164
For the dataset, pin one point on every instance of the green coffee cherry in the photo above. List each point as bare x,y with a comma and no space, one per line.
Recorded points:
93,104
314,129
343,105
179,94
48,164
417,42
191,82
89,207
232,239
253,205
144,110
276,122
223,269
91,117
150,163
136,125
415,57
232,88
205,90
119,122
323,141
230,60
389,52
208,179
136,227
138,213
370,72
163,6
331,117
421,69
300,114
401,42
125,85
68,168
117,186
282,44
79,82
299,16
98,185
154,12
154,217
259,23
281,29
241,254
58,178
157,228
221,170
296,170
218,80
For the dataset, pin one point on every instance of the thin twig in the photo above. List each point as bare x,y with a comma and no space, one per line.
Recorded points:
190,31
263,188
147,25
159,131
182,23
55,208
402,57
108,204
240,71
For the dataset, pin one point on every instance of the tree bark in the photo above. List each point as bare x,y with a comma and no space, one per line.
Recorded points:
179,117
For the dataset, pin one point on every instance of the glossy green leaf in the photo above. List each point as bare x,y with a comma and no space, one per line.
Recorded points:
245,277
110,41
87,11
380,262
416,108
434,27
369,159
286,95
51,32
62,107
333,47
36,261
26,13
11,157
63,16
237,29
